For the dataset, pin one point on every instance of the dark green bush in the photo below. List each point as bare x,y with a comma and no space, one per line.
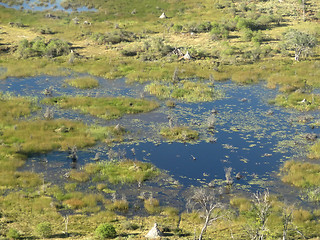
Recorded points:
38,47
105,230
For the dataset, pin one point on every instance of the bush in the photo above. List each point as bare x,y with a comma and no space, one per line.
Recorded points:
13,234
105,230
44,229
177,28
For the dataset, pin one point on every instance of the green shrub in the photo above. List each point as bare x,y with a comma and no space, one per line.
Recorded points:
13,234
105,230
44,229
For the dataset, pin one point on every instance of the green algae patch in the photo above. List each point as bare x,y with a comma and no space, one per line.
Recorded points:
104,107
123,172
179,134
185,90
83,82
298,101
300,174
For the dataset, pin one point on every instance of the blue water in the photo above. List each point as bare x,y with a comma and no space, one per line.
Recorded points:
249,140
32,5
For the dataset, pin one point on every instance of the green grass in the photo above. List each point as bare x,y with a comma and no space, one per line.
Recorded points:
314,152
42,136
83,82
106,107
123,172
185,90
299,101
300,174
179,134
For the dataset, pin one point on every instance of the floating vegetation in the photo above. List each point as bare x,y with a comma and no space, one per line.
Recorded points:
83,82
185,90
104,107
180,133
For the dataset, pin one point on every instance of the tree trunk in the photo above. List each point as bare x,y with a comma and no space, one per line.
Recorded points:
205,225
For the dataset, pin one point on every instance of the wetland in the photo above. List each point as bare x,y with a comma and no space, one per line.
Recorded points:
113,119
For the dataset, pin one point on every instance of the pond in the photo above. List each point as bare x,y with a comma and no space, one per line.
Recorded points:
250,135
42,5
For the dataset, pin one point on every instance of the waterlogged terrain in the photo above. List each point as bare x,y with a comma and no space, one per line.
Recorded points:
250,135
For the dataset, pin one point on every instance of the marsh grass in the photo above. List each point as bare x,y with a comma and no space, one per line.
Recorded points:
121,205
188,91
152,205
107,107
41,136
299,101
243,204
108,133
123,172
179,134
83,82
300,174
79,176
314,152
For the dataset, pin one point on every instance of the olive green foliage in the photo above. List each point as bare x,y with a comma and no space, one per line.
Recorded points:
114,37
179,134
152,205
105,230
39,47
13,234
43,229
104,107
123,171
299,101
83,82
300,42
185,90
42,136
300,174
314,152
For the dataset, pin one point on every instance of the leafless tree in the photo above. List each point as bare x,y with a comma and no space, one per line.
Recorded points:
211,121
48,115
229,179
175,76
261,208
286,221
207,201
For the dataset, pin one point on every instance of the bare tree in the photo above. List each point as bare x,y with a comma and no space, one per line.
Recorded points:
261,209
207,201
229,179
286,221
175,76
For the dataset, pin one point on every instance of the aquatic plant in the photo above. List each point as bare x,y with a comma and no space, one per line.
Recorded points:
83,82
104,107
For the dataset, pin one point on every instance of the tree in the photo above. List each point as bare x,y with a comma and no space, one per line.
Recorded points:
261,211
207,201
299,42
